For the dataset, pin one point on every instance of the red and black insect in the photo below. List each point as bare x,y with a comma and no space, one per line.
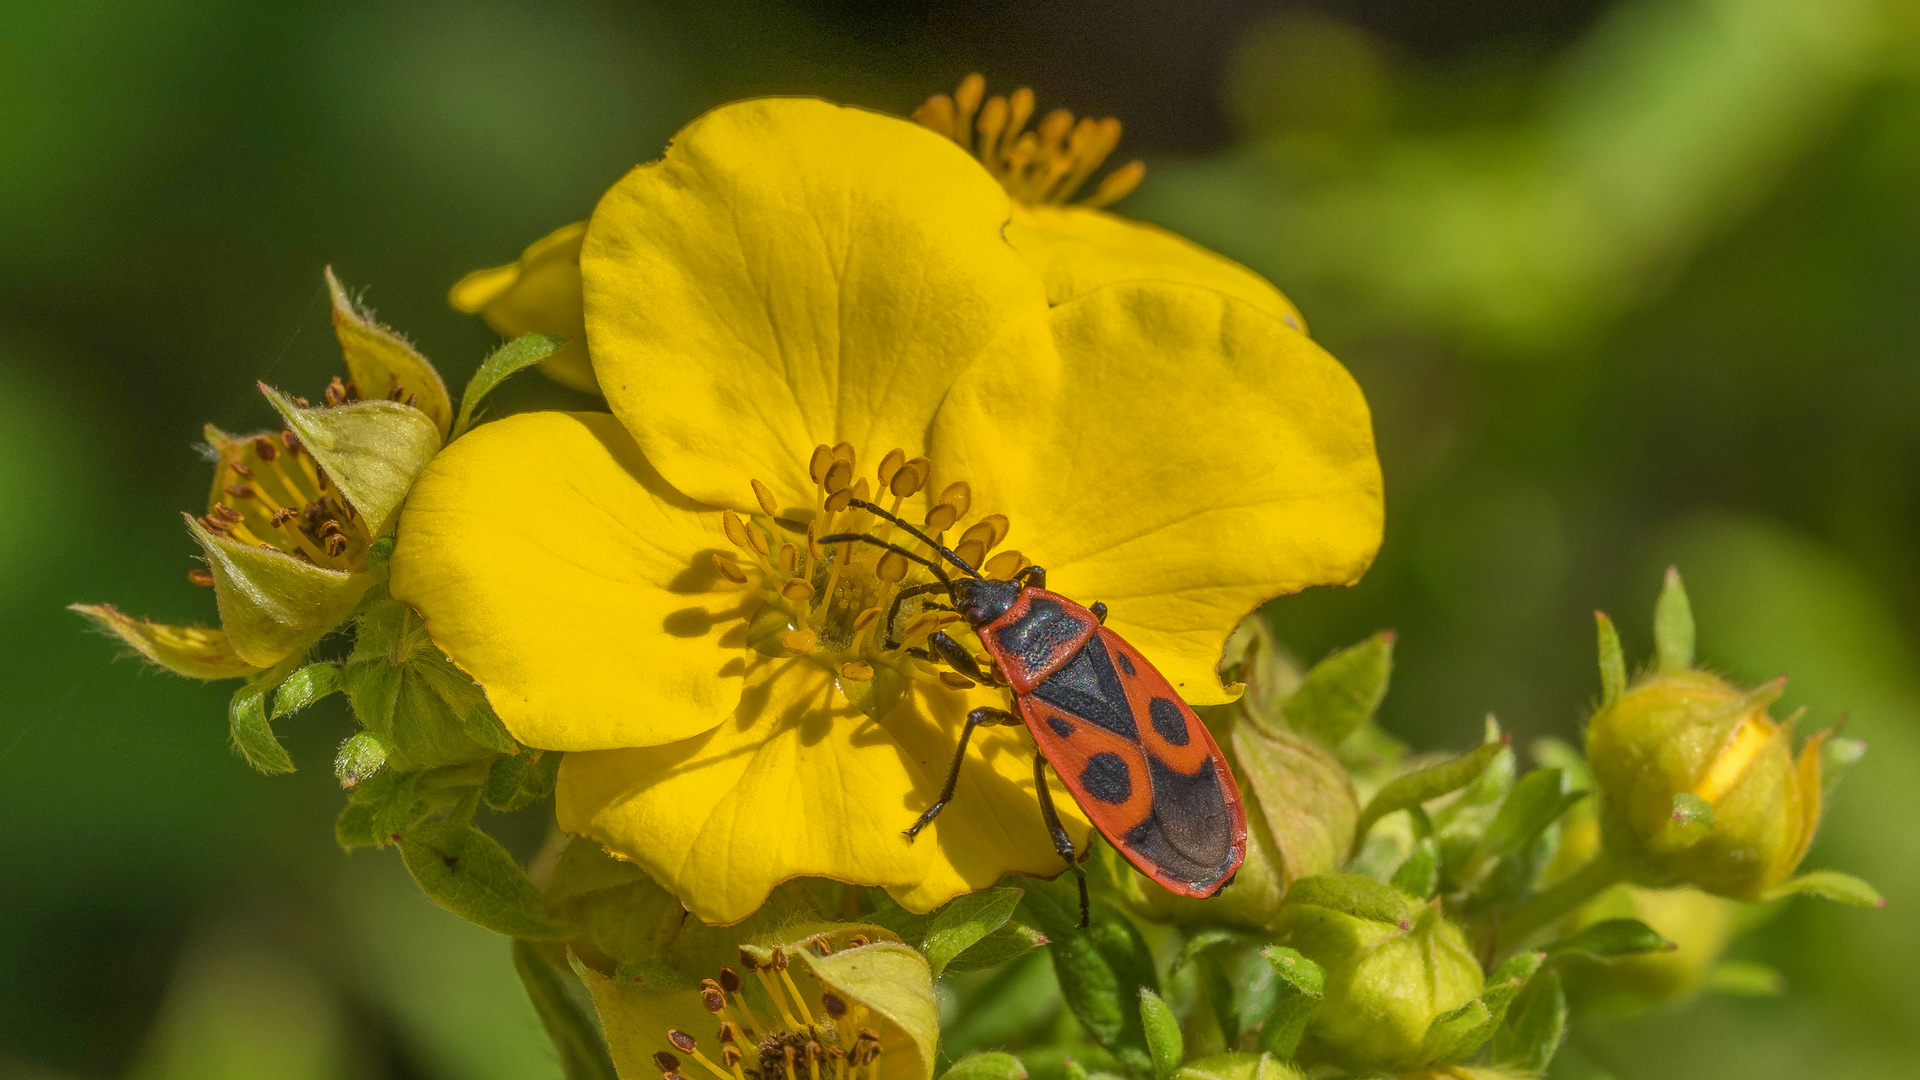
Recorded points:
1134,755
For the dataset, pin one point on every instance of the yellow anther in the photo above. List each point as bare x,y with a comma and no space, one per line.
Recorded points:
909,478
761,493
857,670
838,501
890,464
971,552
758,541
729,569
813,543
980,532
735,528
1117,184
820,462
926,623
865,619
797,591
941,518
860,490
892,567
799,642
789,558
1004,565
839,475
843,452
997,523
958,495
956,681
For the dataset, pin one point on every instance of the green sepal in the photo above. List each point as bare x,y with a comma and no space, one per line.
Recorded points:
1692,821
1613,661
249,727
1832,885
1294,969
1425,784
522,352
1343,691
1838,754
1165,1045
304,687
272,605
467,872
1008,943
576,1038
1457,1032
405,691
1614,937
1536,1021
1099,968
1202,940
356,827
1238,1065
1073,1070
381,361
1673,625
1496,780
359,757
483,726
1536,802
372,451
1352,894
1419,875
1304,983
892,980
518,780
992,1065
198,652
964,922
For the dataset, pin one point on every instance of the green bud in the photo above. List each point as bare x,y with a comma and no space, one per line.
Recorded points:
1391,969
1698,925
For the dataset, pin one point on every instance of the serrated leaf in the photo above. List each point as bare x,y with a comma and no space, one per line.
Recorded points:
247,723
1614,937
355,827
1534,803
522,352
987,1066
576,1038
1342,692
1534,1025
1426,784
1010,942
483,726
518,780
467,872
358,758
1832,885
1613,662
304,687
1352,894
963,921
1165,1045
1673,625
1099,968
1419,875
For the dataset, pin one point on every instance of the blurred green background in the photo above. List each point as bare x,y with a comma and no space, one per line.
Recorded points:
1626,283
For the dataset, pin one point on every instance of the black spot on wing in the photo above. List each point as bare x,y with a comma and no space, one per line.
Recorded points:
1126,664
1107,778
1060,727
1190,833
1087,686
1037,635
1168,720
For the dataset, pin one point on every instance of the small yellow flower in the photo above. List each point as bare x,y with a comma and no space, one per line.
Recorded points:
803,304
539,294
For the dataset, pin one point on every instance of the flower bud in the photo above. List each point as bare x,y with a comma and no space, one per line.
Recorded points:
538,294
1387,977
1698,785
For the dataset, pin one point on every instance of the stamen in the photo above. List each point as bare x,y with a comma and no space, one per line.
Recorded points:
736,531
713,1000
911,477
1046,166
834,1005
264,449
858,940
857,670
799,642
891,568
941,518
843,451
821,461
665,1062
787,1054
284,515
789,558
758,541
838,501
865,619
778,998
796,590
203,576
956,681
732,1057
729,569
813,1060
684,1043
838,476
799,1000
958,495
1004,565
681,1041
765,497
970,552
890,464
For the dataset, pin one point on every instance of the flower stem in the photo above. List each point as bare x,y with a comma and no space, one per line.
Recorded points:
1544,909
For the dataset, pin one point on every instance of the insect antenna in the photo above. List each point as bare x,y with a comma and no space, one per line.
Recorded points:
867,538
928,540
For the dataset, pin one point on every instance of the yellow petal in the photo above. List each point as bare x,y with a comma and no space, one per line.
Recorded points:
1174,452
793,273
553,565
799,782
272,605
382,361
1077,250
540,294
198,652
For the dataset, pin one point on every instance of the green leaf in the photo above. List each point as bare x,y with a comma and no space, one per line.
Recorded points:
1073,1070
1200,942
405,691
304,687
1533,804
465,871
1164,1042
1496,780
518,780
1457,1032
1419,875
963,921
356,827
358,758
1420,786
1008,943
372,450
1238,1065
1302,974
523,351
1673,625
1280,1033
1343,691
988,1066
1832,885
1613,662
247,722
1534,1026
1099,968
1614,937
1351,894
483,726
576,1038
1692,821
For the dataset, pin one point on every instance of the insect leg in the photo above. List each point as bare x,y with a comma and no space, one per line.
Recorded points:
1099,610
984,716
957,657
1033,577
900,597
1062,843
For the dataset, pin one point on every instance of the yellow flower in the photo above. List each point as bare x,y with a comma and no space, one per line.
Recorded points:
795,294
539,294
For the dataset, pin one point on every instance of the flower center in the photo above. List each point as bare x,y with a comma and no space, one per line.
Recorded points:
1046,166
791,1045
857,609
267,491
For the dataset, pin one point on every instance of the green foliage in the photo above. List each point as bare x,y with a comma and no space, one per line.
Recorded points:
1100,969
964,922
1831,885
1673,625
1422,785
1165,1045
467,872
1614,937
986,1066
1342,692
247,722
576,1038
520,353
304,687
